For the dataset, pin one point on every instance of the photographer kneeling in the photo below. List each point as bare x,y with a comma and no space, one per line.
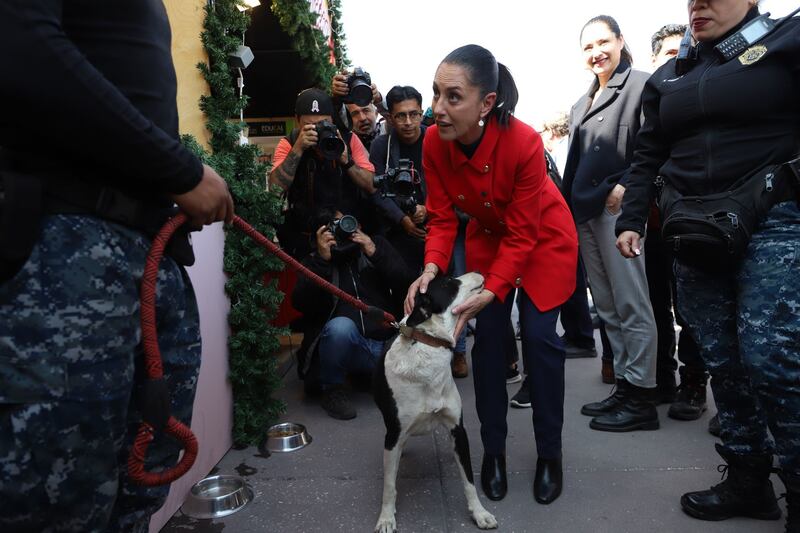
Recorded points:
318,167
400,179
339,339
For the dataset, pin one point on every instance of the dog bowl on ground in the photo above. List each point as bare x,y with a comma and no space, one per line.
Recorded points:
217,496
287,437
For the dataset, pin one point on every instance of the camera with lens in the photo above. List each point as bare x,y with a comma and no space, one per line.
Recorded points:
399,183
343,229
329,145
360,88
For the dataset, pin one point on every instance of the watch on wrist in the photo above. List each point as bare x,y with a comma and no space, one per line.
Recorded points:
349,164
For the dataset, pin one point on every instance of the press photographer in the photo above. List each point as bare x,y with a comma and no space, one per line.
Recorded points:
318,167
397,157
355,98
339,339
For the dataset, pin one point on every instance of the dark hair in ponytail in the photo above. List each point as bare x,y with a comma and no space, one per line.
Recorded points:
484,72
614,27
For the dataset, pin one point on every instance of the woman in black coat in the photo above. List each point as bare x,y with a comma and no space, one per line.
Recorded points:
603,124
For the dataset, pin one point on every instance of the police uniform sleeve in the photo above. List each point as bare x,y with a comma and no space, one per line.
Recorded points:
48,80
649,155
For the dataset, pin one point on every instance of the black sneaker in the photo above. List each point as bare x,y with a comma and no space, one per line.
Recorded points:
512,375
337,404
522,398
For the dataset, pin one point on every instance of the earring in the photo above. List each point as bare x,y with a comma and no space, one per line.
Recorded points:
481,123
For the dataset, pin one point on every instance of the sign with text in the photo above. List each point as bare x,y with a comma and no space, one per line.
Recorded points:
320,8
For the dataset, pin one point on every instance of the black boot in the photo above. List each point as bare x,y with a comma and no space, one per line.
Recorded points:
609,404
635,412
747,491
548,481
792,482
713,425
493,476
691,401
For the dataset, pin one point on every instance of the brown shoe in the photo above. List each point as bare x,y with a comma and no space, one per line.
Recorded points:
608,372
459,365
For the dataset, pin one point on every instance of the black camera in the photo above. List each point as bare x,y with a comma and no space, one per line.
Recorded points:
360,88
398,183
329,145
343,229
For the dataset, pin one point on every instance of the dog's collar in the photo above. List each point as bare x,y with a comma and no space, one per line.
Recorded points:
419,336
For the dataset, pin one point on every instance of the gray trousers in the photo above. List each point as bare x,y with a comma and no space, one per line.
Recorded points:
620,293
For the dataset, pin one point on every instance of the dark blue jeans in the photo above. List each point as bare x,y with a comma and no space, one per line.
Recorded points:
543,355
747,324
343,349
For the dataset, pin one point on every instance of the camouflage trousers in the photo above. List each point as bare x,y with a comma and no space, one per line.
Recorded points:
747,323
70,362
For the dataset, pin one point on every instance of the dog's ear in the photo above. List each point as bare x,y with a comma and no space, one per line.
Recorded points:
421,312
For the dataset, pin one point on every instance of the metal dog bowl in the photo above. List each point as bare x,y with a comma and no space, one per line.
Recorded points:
287,437
217,496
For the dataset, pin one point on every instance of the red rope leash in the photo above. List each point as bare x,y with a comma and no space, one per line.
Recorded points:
152,353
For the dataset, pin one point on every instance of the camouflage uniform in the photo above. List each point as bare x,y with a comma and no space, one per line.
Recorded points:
747,324
69,359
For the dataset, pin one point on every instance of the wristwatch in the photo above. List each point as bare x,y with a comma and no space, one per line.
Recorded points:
349,164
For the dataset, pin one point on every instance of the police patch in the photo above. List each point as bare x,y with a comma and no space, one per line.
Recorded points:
752,54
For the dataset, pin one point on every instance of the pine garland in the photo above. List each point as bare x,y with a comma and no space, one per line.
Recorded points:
298,21
253,340
339,48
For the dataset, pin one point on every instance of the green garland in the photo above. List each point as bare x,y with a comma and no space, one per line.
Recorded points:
298,21
339,48
253,340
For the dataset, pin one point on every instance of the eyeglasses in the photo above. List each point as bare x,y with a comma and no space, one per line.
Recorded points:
402,117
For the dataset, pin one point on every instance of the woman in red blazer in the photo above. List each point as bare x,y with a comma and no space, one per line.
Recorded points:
481,159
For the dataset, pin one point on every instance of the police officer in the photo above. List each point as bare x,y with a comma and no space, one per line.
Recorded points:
82,211
708,123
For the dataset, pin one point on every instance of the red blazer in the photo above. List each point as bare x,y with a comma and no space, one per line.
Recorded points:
522,233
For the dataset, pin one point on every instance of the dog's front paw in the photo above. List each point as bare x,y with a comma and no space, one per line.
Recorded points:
484,519
388,525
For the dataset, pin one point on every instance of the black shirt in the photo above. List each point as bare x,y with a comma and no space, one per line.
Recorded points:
88,93
717,123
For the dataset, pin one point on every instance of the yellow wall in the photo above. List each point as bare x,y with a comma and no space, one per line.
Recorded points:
186,18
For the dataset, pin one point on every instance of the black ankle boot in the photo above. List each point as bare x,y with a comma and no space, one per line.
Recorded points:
747,491
636,411
493,476
792,482
609,404
549,480
691,401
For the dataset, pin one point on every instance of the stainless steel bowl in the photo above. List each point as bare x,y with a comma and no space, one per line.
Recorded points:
287,437
217,496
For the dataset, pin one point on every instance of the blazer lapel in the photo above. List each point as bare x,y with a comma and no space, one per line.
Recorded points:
611,91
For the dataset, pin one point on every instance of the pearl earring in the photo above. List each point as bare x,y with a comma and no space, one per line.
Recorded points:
481,123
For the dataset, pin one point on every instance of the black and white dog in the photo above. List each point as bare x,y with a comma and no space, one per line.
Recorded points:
414,390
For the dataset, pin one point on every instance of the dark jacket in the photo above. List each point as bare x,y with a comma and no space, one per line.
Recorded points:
717,123
389,142
373,280
601,141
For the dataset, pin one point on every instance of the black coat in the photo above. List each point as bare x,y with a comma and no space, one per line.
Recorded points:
601,141
717,123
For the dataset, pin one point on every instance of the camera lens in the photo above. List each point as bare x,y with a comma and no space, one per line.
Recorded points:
329,143
361,93
348,224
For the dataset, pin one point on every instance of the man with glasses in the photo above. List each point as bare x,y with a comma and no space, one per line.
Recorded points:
403,220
